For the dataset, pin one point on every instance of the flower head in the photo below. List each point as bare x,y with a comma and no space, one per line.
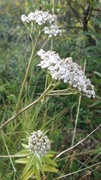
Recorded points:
24,18
49,58
39,143
40,17
43,18
67,71
53,30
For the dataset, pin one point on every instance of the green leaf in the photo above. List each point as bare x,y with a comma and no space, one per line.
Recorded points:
22,160
97,73
24,146
97,102
39,164
96,35
48,161
97,20
51,153
98,111
28,165
50,169
23,153
29,174
37,172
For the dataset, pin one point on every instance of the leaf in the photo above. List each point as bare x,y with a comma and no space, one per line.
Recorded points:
50,154
97,73
28,165
49,168
22,160
98,21
98,111
48,161
39,164
97,102
29,174
23,153
96,35
24,145
37,172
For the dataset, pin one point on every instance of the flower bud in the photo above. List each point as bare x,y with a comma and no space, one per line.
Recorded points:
39,143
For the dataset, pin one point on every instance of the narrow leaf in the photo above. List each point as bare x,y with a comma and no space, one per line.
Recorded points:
29,174
97,73
50,169
48,161
39,164
22,160
28,165
22,153
37,172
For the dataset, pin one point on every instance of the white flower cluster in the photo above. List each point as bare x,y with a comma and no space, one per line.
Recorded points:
67,71
39,143
41,18
53,30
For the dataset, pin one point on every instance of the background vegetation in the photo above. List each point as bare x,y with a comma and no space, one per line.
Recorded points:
81,25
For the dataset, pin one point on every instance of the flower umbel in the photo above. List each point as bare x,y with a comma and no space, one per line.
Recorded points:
39,17
39,143
43,18
53,30
67,71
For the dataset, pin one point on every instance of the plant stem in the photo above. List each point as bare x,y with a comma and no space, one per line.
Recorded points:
78,110
27,70
76,121
75,172
27,107
8,152
72,147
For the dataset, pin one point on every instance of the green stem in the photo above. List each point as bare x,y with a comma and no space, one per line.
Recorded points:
63,92
76,121
8,152
78,110
27,71
27,107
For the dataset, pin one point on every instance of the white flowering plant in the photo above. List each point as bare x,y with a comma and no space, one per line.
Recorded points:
43,20
37,154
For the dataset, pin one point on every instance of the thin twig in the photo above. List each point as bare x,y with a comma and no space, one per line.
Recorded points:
25,108
76,121
65,151
78,110
75,172
27,71
14,169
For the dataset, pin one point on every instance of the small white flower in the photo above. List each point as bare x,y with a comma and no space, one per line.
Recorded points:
31,16
53,30
24,18
41,18
67,71
39,143
52,18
